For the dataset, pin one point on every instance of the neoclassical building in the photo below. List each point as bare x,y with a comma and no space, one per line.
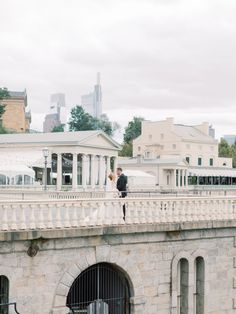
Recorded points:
74,160
179,155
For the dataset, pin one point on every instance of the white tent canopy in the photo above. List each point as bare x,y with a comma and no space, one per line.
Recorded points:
16,175
140,179
213,172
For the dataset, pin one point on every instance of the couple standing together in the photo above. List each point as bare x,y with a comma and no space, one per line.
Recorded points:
120,184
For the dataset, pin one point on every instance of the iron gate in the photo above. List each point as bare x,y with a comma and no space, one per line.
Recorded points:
101,283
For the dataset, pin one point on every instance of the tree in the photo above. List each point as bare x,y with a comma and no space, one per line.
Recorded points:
58,128
82,121
227,150
127,150
132,131
3,94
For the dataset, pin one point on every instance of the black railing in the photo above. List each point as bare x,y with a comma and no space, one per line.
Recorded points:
4,305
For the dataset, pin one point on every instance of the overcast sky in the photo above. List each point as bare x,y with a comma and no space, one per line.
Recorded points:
157,58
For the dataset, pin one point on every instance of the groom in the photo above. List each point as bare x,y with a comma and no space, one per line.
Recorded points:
121,185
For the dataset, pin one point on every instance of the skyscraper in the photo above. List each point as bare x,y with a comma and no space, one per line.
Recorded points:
92,102
57,113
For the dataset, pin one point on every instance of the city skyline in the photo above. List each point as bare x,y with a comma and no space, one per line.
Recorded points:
183,68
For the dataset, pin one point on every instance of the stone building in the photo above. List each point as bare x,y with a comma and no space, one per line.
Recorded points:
159,260
16,118
180,156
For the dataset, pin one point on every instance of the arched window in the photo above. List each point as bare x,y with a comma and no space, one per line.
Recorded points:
4,294
100,286
199,284
183,276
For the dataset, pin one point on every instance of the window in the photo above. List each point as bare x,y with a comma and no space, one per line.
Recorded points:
139,148
187,159
199,162
199,284
162,136
147,154
174,146
4,294
183,269
211,162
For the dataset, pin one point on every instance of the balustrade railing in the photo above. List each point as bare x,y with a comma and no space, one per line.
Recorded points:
62,214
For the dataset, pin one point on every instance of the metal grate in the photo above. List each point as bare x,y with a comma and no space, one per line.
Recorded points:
4,295
101,282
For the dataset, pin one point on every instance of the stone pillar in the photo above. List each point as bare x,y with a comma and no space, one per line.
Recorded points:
74,172
108,165
92,171
59,171
101,172
186,176
84,171
174,179
179,175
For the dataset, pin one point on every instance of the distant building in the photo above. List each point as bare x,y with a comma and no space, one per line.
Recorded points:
15,118
230,139
92,102
179,155
57,115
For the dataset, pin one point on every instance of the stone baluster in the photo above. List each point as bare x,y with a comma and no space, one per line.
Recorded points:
22,218
66,209
32,219
49,222
13,217
74,218
41,208
128,218
4,225
83,220
58,220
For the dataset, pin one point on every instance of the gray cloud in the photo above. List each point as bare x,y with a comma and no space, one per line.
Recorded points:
157,57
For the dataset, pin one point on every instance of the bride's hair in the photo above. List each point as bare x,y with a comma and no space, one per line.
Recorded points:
111,176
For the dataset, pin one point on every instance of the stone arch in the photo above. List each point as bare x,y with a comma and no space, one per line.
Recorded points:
174,279
101,254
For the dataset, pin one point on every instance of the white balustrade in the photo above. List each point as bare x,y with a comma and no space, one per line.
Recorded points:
86,213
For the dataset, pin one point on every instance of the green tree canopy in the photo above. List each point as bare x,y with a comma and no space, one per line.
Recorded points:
59,128
133,130
82,121
227,150
3,94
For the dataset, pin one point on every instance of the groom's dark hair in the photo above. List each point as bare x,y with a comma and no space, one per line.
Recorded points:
120,169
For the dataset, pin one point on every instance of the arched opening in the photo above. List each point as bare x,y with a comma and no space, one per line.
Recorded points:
4,295
101,288
200,286
183,276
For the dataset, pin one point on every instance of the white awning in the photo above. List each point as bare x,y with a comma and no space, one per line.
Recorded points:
207,172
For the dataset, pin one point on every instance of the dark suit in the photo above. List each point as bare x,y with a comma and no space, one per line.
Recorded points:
122,187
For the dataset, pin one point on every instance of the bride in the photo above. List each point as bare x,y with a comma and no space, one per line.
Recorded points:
111,190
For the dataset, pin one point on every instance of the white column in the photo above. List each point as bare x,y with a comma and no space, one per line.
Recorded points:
84,171
59,171
74,172
92,171
186,176
174,179
108,165
179,174
101,170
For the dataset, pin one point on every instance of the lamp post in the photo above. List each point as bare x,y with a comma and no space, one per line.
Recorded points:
45,155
